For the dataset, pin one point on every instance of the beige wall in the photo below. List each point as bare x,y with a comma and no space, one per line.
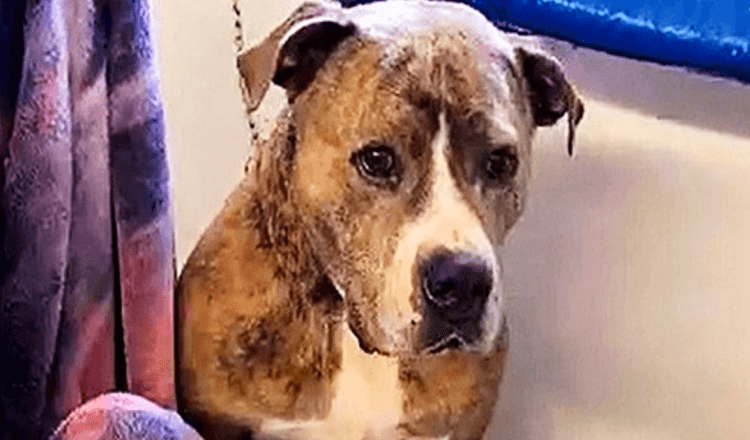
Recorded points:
627,279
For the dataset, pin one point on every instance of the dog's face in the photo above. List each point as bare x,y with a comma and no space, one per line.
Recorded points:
412,154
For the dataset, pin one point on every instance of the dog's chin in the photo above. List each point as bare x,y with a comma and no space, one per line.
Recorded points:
453,343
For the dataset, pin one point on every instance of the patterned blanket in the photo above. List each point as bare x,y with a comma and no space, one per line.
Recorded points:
86,237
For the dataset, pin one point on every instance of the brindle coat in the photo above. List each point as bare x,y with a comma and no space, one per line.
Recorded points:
284,305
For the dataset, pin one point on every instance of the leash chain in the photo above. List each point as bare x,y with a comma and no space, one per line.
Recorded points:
239,47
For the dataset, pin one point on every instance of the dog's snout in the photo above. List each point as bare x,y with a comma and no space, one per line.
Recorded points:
456,286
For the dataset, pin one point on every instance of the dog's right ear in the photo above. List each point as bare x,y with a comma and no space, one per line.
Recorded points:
550,93
293,53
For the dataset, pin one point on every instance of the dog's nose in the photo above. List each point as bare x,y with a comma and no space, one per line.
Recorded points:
456,286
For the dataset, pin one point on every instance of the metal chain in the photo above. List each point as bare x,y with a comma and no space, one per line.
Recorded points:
239,47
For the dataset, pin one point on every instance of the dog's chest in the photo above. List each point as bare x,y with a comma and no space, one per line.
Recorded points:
367,402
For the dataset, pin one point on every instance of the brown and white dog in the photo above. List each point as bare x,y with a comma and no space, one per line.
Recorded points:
350,287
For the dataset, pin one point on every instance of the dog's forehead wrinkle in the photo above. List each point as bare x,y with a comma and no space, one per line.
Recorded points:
457,83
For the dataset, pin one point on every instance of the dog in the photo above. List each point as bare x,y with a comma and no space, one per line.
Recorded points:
350,288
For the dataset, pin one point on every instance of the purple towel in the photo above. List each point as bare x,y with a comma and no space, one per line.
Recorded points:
86,237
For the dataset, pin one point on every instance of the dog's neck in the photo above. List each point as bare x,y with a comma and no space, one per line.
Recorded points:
280,233
273,210
284,338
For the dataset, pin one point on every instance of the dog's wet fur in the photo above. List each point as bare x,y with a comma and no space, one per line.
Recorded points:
350,287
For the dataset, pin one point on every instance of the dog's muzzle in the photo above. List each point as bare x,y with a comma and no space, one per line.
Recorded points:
455,288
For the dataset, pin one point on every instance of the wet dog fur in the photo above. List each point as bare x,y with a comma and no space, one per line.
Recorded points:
305,310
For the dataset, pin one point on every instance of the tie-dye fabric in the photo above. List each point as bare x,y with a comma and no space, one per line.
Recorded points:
86,237
123,416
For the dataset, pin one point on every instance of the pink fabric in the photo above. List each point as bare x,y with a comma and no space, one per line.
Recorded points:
147,312
123,416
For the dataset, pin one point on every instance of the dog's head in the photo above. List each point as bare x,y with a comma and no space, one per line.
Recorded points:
413,123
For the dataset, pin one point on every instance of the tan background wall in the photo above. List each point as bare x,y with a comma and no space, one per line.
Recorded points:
628,278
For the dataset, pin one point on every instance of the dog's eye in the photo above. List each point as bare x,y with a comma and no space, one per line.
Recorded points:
501,165
377,161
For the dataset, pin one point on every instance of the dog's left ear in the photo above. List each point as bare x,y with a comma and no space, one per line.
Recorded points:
293,53
550,93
